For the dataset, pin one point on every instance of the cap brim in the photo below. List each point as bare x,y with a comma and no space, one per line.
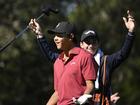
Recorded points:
87,36
52,31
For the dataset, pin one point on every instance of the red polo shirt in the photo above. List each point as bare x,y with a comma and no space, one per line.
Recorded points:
70,77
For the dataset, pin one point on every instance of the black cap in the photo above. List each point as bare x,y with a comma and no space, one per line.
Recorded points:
63,28
89,33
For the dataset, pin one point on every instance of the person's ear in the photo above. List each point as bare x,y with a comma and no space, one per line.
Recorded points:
81,44
71,36
97,45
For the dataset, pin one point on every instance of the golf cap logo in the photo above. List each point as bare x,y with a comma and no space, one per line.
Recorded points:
58,25
90,31
73,63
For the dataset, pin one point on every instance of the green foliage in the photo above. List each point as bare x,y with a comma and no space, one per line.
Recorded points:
26,76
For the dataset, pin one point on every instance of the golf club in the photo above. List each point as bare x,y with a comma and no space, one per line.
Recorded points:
45,11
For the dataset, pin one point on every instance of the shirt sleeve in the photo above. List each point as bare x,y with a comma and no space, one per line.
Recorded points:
46,49
118,57
89,68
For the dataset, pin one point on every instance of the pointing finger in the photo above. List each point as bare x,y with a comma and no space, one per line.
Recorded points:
125,20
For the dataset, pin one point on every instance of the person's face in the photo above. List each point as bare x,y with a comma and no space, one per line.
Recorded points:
89,45
61,42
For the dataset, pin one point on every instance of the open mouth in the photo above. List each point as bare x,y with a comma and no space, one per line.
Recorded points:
57,43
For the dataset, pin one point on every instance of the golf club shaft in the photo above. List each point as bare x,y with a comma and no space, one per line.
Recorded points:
18,35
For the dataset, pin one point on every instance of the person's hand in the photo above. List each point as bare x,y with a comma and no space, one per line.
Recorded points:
35,27
82,99
115,98
129,22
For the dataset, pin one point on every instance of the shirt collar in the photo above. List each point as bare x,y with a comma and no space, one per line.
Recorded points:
98,55
74,51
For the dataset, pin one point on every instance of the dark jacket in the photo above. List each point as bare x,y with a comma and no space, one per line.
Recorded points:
115,59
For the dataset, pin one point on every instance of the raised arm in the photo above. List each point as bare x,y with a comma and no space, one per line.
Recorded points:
45,47
117,58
